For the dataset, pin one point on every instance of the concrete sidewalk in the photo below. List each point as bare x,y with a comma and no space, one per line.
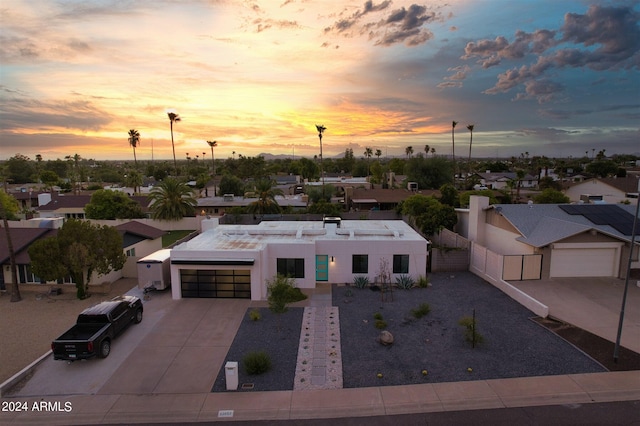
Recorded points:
168,364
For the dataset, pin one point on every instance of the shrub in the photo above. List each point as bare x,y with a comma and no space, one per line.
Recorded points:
257,362
348,292
471,334
381,324
405,282
361,281
423,281
377,316
421,310
254,315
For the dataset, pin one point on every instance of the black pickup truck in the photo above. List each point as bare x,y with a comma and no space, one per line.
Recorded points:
95,329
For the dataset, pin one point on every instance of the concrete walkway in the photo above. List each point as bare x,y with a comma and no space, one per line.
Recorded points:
166,369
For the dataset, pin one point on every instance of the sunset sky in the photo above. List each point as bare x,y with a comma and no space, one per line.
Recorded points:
547,77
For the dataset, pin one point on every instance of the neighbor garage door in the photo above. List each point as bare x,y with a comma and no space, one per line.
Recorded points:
584,262
227,283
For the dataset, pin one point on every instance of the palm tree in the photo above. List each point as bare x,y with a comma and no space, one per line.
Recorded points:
470,128
368,152
266,203
433,152
426,149
409,151
321,129
213,144
378,153
453,150
519,175
171,200
134,140
173,117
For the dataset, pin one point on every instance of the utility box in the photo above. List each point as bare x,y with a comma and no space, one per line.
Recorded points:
231,375
155,270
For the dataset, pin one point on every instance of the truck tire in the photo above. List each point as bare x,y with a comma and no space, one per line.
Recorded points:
105,348
138,318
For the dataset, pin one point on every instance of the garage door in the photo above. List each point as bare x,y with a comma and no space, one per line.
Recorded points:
234,283
584,262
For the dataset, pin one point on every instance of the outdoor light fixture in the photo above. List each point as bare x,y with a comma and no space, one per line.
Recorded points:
331,259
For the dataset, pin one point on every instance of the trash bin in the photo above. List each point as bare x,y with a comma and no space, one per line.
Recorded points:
231,375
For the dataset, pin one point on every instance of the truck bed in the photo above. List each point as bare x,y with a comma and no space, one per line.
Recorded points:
81,332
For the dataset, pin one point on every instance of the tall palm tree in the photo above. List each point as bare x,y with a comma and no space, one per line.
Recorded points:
134,140
213,144
368,152
378,153
171,200
470,128
426,149
453,150
266,203
321,129
173,117
409,151
433,151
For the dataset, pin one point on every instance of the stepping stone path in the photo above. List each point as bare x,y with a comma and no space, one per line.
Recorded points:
319,363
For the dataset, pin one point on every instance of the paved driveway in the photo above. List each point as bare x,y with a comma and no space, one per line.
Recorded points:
592,304
179,347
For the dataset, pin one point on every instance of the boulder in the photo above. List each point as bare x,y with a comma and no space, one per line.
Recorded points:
385,338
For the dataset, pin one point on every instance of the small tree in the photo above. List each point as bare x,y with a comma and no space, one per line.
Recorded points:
281,291
108,204
78,250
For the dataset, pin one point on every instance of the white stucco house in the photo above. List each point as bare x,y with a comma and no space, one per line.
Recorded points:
235,261
572,240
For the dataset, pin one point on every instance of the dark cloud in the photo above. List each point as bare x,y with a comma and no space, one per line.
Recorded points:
604,38
404,25
18,112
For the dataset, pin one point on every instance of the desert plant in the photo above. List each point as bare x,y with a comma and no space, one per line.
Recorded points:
423,281
381,324
361,281
405,282
377,316
254,315
471,334
421,310
348,292
257,362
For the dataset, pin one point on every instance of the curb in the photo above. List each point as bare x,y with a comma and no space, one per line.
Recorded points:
13,380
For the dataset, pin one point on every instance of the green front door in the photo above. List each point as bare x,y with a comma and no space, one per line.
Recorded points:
322,267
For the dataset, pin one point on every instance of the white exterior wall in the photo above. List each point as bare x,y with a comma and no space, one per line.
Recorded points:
610,194
340,270
301,249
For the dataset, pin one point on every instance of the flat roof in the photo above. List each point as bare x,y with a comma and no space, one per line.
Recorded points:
256,237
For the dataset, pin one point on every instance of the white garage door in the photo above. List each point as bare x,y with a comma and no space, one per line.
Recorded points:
584,262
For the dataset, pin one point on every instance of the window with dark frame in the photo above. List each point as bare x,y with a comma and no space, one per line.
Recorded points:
291,267
360,264
400,263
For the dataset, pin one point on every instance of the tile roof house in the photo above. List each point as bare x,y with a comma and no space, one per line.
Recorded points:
379,198
139,240
499,180
589,240
609,190
72,206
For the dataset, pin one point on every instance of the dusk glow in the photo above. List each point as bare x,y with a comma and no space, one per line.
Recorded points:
548,77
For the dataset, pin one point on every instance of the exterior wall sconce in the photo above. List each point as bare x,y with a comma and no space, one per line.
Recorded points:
331,259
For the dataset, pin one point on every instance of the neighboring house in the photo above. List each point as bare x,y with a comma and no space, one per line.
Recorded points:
138,240
21,239
235,261
72,206
499,180
218,206
609,190
380,199
589,240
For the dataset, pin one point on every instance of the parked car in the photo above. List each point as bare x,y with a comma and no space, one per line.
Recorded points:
96,327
